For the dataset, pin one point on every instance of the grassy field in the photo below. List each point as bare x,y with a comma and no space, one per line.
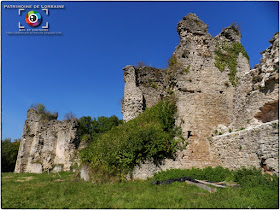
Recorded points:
53,191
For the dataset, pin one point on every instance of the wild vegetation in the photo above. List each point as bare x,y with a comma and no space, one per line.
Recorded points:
9,151
69,116
140,64
44,114
64,190
150,136
174,65
226,55
89,128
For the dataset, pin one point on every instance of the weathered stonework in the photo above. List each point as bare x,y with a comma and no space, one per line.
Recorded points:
143,88
253,147
226,124
205,96
256,97
46,145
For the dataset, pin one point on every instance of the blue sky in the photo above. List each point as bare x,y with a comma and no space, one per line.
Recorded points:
81,70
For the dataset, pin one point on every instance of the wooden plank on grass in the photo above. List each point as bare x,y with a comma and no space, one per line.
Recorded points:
203,186
209,183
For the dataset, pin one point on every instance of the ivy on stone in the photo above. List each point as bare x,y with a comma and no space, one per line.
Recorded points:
226,55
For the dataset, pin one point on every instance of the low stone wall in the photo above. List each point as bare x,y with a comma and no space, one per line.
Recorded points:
148,168
253,147
256,146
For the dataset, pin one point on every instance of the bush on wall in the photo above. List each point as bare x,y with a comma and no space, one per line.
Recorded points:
150,136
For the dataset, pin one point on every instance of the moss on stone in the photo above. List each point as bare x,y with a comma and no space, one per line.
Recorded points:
187,70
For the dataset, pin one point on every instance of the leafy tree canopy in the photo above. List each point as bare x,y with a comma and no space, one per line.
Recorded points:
9,151
89,128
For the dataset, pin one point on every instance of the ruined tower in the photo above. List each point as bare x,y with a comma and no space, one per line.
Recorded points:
214,88
46,145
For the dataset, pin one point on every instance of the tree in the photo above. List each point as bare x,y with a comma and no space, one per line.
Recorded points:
90,128
9,151
104,124
85,126
69,116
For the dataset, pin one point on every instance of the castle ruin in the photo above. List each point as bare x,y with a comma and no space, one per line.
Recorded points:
228,112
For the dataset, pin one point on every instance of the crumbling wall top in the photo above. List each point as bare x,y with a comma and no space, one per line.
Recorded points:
33,115
230,34
191,23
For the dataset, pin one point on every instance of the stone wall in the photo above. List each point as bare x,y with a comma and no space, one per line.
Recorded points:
204,94
143,88
256,97
46,144
256,146
206,98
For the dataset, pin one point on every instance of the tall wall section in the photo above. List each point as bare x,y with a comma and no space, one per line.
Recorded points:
144,87
256,114
256,97
208,93
46,145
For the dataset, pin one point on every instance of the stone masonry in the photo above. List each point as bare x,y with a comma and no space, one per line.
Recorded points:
46,145
143,88
228,120
206,99
253,147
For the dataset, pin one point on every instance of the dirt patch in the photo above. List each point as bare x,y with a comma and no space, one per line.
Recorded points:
20,180
25,179
59,180
7,177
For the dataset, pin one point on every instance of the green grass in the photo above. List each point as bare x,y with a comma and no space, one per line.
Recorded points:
43,191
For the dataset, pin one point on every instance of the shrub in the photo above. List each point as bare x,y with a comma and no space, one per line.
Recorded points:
212,174
44,114
254,178
173,66
41,108
172,61
150,136
69,116
140,64
236,26
244,177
